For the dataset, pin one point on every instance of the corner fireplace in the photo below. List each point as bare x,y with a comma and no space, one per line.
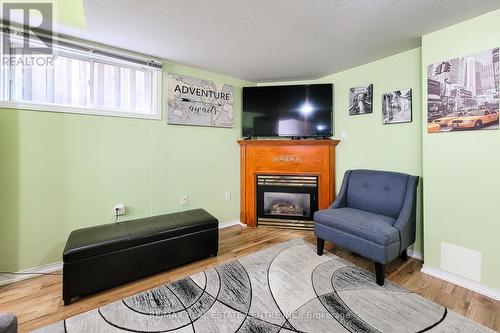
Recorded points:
286,201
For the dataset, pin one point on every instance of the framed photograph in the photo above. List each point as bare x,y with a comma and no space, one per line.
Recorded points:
361,100
462,93
396,107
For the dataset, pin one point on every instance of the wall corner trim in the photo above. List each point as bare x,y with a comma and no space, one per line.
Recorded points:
462,282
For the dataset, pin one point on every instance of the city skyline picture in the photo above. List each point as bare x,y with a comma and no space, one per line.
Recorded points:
463,93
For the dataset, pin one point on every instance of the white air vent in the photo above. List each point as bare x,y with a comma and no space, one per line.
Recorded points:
461,261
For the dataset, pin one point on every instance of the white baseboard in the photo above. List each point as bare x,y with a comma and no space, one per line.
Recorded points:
30,273
415,254
462,282
230,224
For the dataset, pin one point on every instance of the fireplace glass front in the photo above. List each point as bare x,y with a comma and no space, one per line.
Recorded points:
286,201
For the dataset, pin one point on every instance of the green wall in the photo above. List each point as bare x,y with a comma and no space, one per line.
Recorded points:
369,143
59,172
461,168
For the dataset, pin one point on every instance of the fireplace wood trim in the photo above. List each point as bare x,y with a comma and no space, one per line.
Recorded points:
285,157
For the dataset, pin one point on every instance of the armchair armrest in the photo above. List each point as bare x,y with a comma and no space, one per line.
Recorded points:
341,200
406,221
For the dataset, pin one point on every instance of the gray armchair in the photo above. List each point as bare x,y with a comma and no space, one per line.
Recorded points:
373,215
8,323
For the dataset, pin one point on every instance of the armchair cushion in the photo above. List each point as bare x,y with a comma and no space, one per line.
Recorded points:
8,323
373,227
378,192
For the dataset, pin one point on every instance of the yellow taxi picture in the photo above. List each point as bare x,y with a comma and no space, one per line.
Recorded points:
474,119
443,121
433,128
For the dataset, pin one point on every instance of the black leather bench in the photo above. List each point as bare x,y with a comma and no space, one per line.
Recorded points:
104,256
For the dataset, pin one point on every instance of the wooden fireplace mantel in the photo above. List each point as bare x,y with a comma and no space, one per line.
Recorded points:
285,157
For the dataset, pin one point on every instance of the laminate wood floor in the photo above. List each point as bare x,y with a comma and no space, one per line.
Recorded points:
37,301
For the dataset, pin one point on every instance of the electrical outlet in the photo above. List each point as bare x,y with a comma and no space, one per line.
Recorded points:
184,200
227,196
343,135
119,209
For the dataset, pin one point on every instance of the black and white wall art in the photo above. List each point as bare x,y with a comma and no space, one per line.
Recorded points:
396,107
361,100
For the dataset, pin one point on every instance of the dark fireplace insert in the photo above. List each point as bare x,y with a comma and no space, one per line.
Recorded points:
287,201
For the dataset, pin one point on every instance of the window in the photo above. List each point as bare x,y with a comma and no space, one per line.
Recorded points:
78,79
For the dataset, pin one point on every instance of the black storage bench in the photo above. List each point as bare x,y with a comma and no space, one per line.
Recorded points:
104,256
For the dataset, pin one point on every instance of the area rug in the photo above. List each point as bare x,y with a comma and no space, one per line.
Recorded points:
285,288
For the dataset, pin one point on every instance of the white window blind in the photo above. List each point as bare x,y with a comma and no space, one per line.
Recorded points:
80,80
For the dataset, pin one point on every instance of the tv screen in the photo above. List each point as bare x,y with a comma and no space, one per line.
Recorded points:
290,111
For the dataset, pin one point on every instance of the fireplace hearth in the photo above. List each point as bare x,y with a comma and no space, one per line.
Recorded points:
287,201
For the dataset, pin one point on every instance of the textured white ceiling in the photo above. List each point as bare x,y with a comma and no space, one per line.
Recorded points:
271,40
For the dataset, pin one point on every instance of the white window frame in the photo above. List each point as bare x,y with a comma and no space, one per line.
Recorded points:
156,87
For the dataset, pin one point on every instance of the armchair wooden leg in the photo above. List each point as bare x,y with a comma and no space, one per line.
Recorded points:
380,273
404,255
320,246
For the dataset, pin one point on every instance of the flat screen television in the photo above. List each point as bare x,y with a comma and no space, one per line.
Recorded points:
288,111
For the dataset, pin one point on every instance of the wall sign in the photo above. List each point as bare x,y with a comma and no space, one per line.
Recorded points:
193,101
